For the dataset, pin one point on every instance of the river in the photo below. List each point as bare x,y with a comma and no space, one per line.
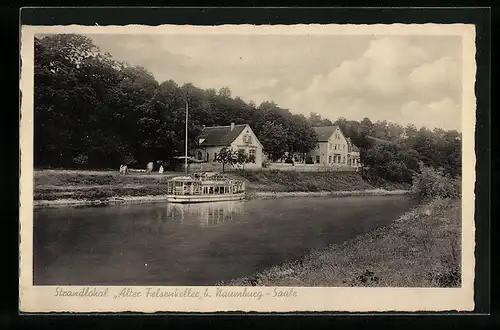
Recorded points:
198,244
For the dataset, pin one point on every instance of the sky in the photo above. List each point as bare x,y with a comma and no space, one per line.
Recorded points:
404,79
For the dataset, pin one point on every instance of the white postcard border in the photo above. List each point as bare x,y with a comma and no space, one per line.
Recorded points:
44,299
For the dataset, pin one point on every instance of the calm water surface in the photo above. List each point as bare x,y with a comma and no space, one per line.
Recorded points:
198,244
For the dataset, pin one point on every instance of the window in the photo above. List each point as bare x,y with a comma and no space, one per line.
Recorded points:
335,147
317,159
215,156
252,155
199,155
329,159
208,156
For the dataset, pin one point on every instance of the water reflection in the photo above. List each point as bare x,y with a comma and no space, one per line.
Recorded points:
170,244
207,214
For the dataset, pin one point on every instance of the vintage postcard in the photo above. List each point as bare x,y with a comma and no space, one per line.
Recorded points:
278,168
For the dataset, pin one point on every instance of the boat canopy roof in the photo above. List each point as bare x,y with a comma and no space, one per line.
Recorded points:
182,178
209,176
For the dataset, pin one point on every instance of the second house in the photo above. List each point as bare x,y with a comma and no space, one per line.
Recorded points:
237,137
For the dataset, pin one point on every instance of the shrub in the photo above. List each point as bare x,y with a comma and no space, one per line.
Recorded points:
81,160
431,183
128,159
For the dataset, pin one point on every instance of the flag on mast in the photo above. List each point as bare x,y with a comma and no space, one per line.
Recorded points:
186,146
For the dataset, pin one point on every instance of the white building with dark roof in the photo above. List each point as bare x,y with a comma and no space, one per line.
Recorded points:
237,137
334,148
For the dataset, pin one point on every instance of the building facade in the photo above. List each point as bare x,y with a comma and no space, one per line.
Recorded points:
237,137
334,149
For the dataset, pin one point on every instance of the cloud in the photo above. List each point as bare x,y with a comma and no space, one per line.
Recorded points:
390,52
382,70
388,80
445,113
380,77
436,78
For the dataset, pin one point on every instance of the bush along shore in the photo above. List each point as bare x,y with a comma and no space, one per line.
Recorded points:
70,187
420,249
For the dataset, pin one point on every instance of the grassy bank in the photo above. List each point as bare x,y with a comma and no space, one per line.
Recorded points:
50,185
420,249
367,192
289,181
70,186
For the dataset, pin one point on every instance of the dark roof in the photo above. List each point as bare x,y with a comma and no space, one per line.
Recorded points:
324,132
379,141
220,135
353,146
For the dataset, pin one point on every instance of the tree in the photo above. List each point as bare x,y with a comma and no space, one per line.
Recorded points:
75,94
91,110
242,158
380,130
391,162
225,92
395,132
274,139
366,127
226,156
302,136
315,119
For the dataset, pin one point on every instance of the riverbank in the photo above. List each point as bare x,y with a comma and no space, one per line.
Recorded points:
254,195
95,188
345,193
420,249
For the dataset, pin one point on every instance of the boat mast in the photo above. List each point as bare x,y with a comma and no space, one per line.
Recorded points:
186,146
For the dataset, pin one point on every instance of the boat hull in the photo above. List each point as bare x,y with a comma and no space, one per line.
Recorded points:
204,198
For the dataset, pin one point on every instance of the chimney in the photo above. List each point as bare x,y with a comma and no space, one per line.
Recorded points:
232,126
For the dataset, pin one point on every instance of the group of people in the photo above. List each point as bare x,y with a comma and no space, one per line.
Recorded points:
124,169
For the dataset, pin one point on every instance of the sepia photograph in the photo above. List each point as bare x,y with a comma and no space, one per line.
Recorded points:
247,168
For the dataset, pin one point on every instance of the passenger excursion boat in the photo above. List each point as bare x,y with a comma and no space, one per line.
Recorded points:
204,186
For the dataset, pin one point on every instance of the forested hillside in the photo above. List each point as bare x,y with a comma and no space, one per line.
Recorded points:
93,111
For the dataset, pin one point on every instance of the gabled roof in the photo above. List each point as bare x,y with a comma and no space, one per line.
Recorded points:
324,132
220,135
353,146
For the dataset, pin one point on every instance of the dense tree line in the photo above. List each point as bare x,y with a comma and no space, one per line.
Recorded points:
94,111
393,152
